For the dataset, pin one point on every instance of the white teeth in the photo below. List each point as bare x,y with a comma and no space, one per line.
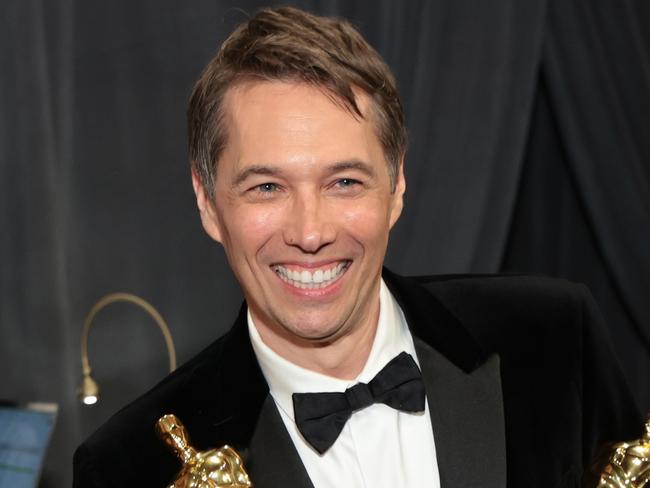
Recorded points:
318,276
306,279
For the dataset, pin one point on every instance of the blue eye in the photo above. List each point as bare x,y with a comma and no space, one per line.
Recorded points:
267,187
347,182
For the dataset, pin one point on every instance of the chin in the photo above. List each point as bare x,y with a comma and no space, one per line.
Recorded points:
315,335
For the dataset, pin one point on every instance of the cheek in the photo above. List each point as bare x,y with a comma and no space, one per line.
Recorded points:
366,222
251,226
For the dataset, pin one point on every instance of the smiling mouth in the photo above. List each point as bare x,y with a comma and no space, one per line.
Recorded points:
314,279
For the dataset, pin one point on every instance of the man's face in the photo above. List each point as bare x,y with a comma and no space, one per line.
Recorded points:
303,207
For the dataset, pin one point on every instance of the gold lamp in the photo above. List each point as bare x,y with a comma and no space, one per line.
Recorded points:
89,390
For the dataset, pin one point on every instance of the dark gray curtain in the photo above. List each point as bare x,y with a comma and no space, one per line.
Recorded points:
528,152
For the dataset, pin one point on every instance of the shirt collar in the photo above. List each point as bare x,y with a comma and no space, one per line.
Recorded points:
285,378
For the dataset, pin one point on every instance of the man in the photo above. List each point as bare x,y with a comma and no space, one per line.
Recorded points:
297,144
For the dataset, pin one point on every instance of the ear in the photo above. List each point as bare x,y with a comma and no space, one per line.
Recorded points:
398,194
207,210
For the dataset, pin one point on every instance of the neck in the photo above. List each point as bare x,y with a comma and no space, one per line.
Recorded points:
342,357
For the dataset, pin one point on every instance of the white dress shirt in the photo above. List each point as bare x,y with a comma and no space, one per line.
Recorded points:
379,447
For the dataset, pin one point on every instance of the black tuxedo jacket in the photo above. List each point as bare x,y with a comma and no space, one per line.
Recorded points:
520,382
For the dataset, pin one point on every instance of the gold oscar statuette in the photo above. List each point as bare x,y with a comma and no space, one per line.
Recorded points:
629,463
214,468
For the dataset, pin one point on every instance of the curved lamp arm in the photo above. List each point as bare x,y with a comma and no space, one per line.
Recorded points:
89,389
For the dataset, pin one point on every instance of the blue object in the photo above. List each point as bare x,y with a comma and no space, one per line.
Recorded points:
24,435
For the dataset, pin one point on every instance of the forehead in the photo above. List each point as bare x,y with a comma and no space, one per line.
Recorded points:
299,96
271,120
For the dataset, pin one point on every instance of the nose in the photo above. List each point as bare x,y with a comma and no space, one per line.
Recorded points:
309,225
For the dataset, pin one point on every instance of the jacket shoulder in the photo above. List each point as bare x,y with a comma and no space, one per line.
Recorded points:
517,315
519,286
128,438
556,359
527,298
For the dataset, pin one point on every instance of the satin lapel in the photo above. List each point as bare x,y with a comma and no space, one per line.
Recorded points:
432,322
467,418
463,389
235,408
273,459
228,391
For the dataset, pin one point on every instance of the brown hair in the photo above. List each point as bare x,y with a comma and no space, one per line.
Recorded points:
289,44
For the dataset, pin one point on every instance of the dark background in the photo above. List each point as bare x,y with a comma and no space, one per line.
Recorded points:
529,151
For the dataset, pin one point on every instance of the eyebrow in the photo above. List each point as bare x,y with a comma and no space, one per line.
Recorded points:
256,169
270,170
355,164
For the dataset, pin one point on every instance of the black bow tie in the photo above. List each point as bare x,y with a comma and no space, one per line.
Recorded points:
320,417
